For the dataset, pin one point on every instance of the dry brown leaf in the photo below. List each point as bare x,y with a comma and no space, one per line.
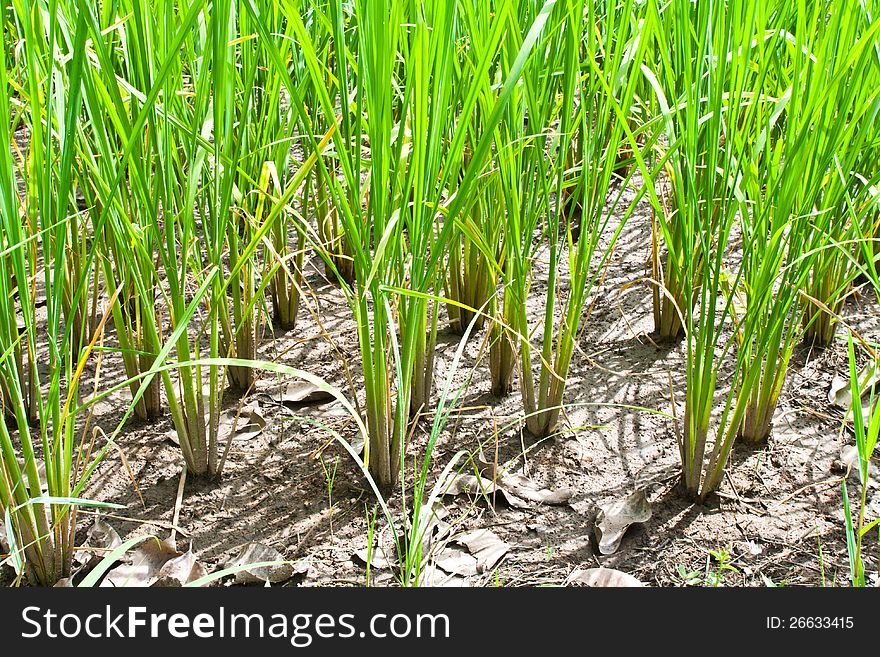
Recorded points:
432,576
485,547
526,489
280,571
840,393
299,393
180,570
518,491
249,423
603,577
101,538
849,463
144,567
456,562
616,517
380,559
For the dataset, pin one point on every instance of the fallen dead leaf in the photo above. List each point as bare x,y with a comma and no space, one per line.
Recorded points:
144,567
456,561
180,570
605,577
251,553
302,392
526,489
433,576
247,425
485,546
518,491
380,559
101,538
616,517
849,463
840,393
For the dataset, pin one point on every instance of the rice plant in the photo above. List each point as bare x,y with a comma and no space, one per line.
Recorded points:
471,274
197,221
866,430
705,79
836,215
760,109
791,170
390,215
599,48
43,458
